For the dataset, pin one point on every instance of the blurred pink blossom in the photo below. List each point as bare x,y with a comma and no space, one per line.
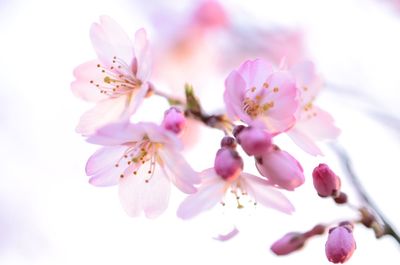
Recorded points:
118,80
142,159
340,244
312,123
325,181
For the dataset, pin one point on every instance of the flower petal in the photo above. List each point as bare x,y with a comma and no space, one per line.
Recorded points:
180,172
135,100
304,141
103,158
137,195
209,194
143,55
255,72
105,112
264,193
117,134
234,95
227,236
82,87
110,40
106,177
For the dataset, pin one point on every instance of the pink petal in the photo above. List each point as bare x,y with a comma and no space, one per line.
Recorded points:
285,99
135,100
227,236
143,55
255,72
104,158
318,124
82,86
304,141
234,94
117,134
106,177
105,112
308,81
209,194
264,193
110,40
139,196
179,171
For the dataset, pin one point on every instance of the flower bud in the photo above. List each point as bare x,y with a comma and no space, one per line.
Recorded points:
174,120
288,243
341,198
254,141
340,244
325,181
228,164
280,168
228,142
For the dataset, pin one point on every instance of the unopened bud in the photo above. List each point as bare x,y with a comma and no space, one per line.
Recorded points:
288,243
341,199
340,244
174,120
325,181
228,164
228,142
254,141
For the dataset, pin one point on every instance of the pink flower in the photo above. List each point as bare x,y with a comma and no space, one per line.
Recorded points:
214,187
118,80
340,244
142,159
325,181
289,243
256,94
280,168
313,124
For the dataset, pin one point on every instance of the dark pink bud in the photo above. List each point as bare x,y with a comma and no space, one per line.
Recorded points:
325,181
341,198
254,141
229,142
340,244
288,243
174,120
228,164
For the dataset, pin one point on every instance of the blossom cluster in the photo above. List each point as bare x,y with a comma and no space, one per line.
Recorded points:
262,100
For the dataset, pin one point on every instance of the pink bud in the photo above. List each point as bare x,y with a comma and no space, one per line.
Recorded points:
340,244
280,168
228,164
288,243
325,181
254,141
174,120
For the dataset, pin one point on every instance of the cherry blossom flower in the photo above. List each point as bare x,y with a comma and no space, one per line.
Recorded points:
256,94
227,175
142,159
118,80
312,123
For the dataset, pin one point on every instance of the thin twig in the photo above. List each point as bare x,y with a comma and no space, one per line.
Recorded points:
345,159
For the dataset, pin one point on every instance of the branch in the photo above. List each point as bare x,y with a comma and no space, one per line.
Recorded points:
388,229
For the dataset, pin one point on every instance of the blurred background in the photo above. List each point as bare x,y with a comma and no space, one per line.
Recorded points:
49,214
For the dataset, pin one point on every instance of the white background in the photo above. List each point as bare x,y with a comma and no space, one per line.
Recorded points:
49,214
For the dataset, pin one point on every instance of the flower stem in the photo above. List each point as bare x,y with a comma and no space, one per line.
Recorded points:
388,229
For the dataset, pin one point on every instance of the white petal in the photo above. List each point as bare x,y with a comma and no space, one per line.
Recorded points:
180,172
139,196
103,158
208,195
266,194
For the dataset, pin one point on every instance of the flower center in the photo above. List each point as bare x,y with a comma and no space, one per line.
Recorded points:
139,153
257,102
117,79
